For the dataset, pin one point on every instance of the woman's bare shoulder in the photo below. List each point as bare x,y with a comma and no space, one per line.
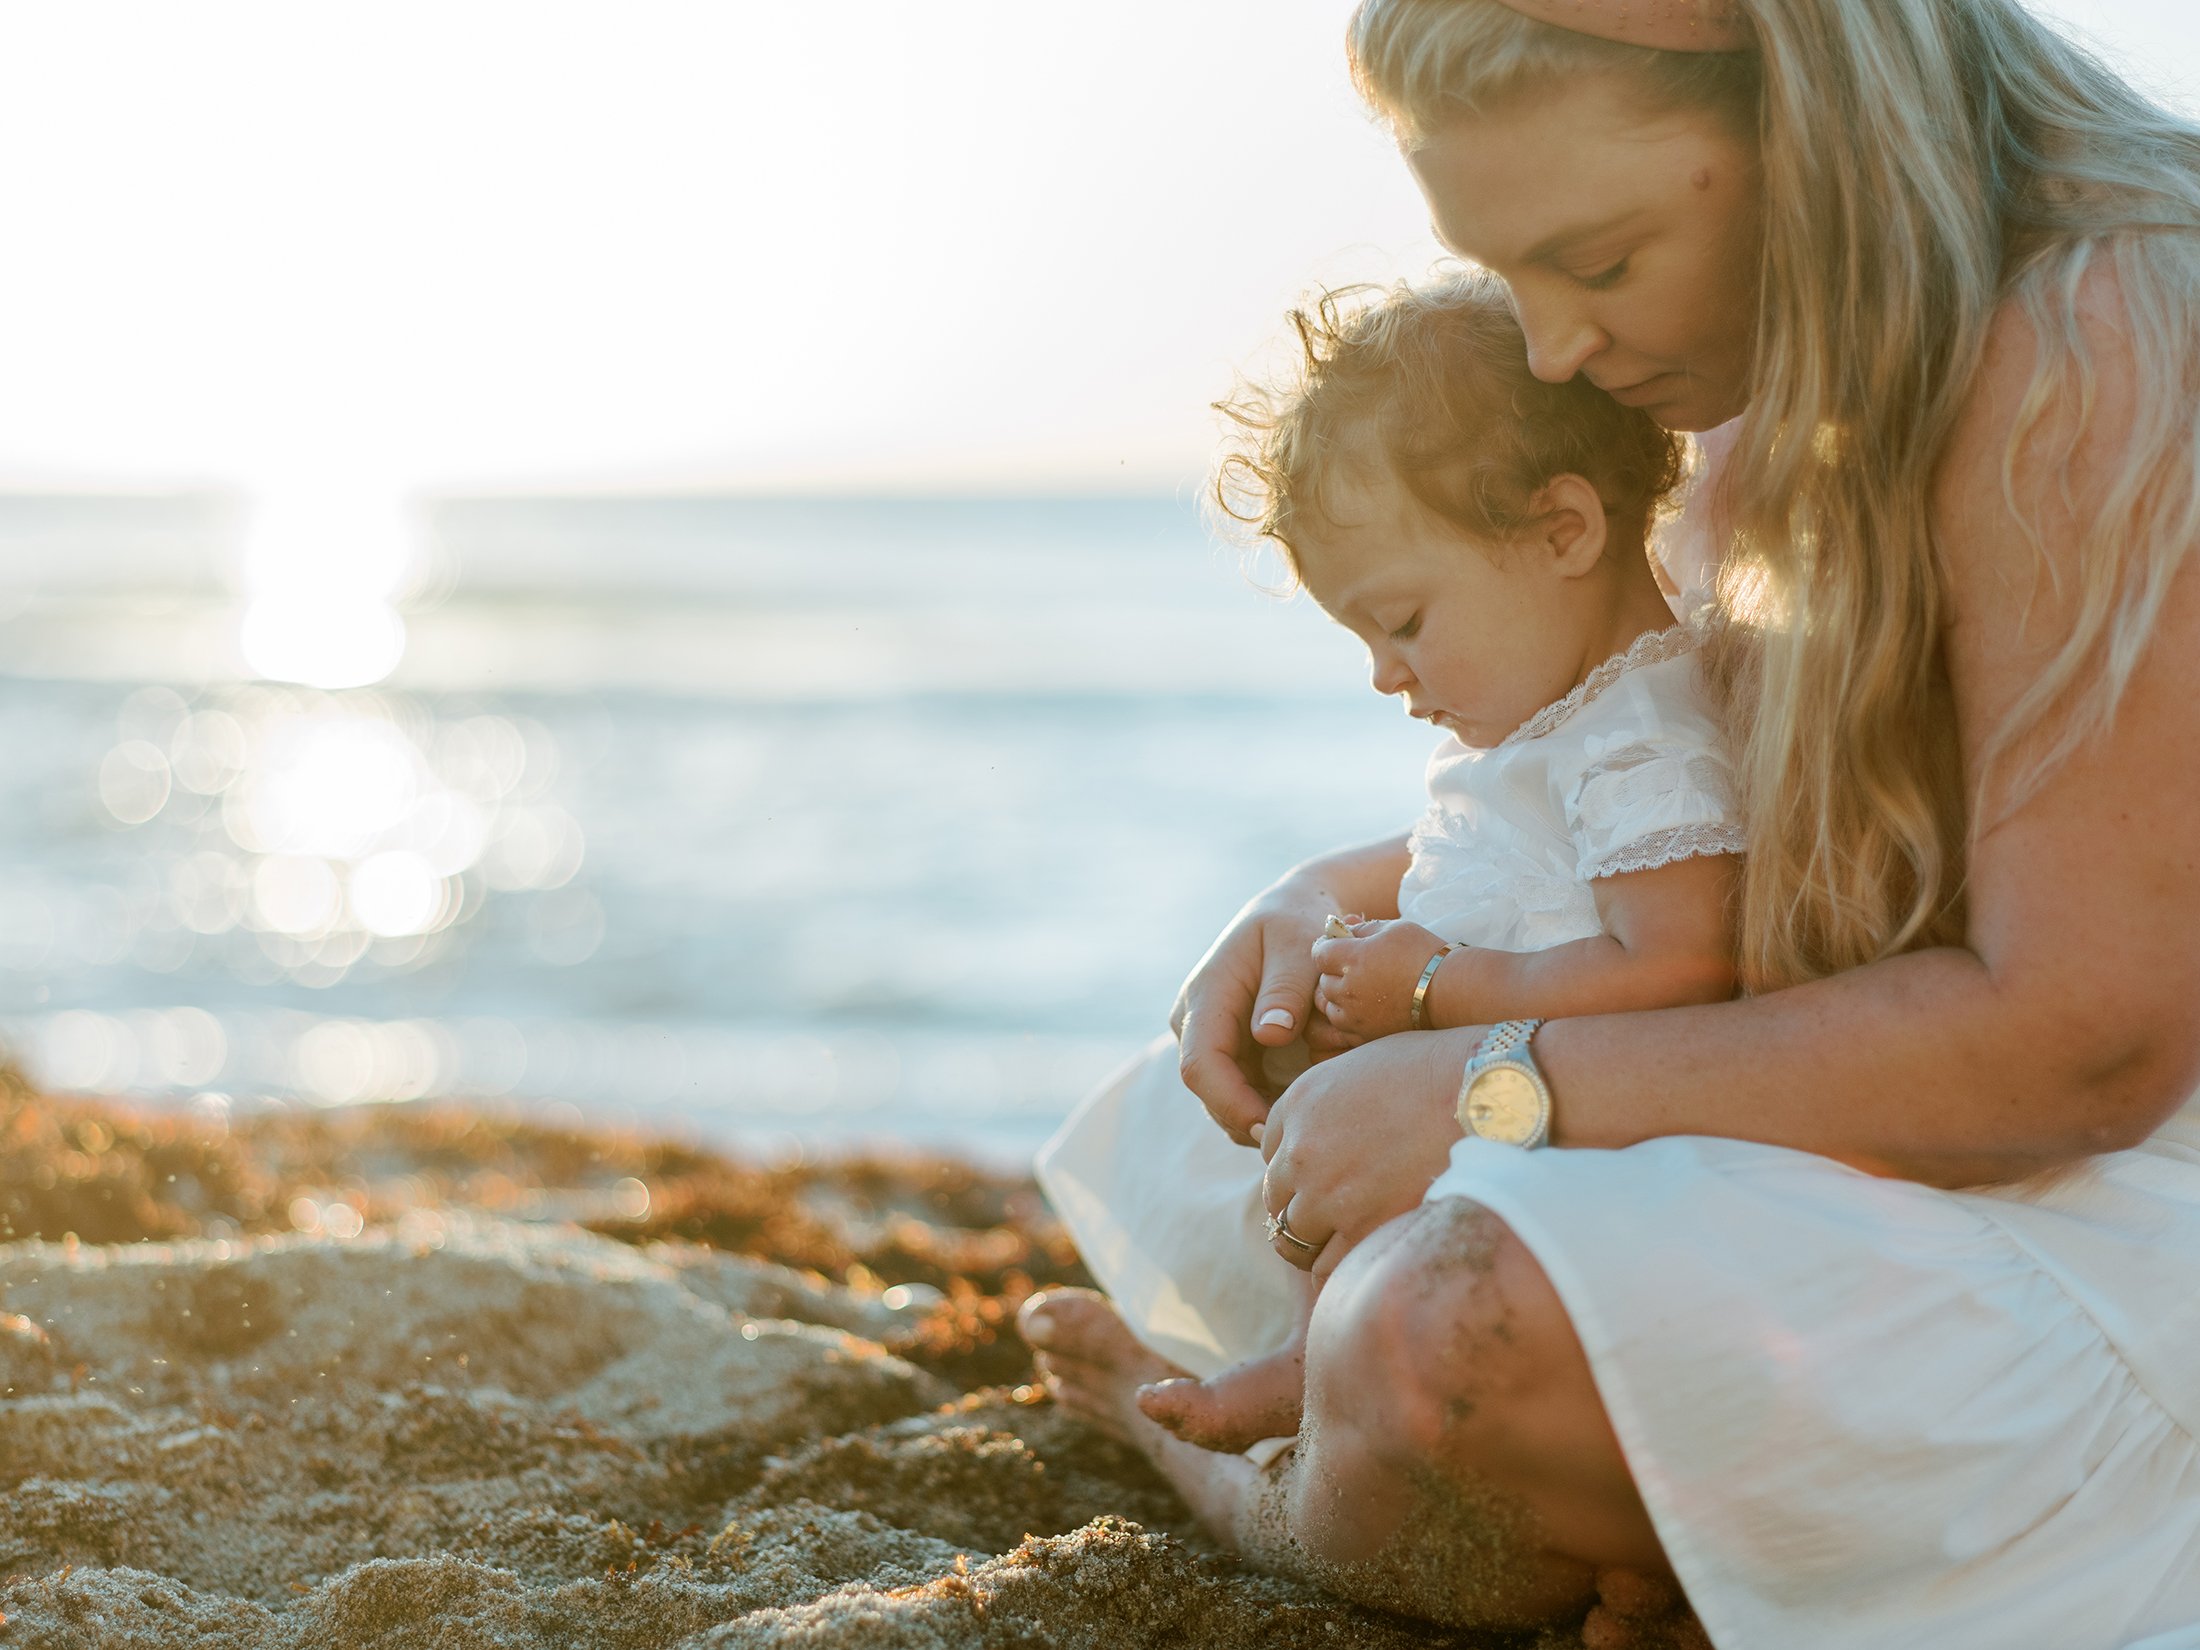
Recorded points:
2033,455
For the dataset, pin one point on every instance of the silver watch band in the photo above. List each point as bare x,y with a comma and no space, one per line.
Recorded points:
1506,1036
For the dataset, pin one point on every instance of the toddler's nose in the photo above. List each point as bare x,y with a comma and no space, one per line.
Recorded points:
1388,674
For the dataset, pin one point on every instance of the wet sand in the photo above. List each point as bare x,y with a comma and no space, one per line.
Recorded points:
428,1376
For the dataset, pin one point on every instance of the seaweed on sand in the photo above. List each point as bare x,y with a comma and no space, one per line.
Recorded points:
514,1404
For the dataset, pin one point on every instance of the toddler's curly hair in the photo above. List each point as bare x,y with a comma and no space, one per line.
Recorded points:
1433,381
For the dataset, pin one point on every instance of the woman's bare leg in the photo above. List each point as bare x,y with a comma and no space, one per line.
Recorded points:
1455,1461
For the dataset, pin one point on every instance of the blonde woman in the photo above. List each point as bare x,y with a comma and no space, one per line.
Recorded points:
1866,1305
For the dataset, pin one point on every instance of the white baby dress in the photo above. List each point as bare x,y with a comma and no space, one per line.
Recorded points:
1623,774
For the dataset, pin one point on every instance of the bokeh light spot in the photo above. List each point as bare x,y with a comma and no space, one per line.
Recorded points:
396,893
133,781
296,894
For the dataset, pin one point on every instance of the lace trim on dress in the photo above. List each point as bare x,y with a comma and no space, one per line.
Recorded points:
1668,848
1652,647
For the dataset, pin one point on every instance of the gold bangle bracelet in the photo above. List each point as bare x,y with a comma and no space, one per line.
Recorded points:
1419,1016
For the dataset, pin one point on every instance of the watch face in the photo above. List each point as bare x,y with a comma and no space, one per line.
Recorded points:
1505,1105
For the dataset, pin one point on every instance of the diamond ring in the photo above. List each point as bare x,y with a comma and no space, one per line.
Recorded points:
1278,1227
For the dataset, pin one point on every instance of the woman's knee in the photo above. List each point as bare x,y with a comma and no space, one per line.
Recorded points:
1438,1321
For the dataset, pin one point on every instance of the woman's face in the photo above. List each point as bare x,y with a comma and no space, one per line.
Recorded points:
1629,240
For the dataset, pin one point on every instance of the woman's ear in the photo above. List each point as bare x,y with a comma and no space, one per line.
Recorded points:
1570,526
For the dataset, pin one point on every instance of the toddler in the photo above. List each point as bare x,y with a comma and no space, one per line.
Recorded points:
1484,534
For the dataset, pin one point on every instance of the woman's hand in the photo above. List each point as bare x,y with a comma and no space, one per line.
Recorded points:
1367,981
1356,1141
1254,990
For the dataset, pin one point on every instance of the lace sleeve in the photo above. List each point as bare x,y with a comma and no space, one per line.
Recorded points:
1644,805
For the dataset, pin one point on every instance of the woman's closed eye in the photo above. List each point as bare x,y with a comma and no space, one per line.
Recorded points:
1606,278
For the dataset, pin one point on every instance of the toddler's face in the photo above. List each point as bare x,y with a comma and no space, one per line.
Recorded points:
1474,640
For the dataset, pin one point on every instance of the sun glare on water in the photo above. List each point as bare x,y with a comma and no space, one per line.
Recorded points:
351,821
321,831
324,569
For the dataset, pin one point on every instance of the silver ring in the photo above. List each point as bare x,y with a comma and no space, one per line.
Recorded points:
1278,1227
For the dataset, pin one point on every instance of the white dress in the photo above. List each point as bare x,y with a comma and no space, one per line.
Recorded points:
1625,773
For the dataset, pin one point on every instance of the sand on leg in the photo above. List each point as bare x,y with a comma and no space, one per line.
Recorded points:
1455,1459
1456,1452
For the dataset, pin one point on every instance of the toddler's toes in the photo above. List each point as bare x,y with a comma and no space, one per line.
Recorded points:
1641,1612
1173,1406
1189,1411
1636,1596
1229,1413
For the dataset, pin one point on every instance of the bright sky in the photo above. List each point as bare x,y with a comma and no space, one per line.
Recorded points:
996,244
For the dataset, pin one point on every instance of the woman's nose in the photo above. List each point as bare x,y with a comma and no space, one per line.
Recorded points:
1561,339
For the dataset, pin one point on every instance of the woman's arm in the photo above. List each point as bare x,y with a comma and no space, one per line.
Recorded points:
1255,986
2069,1022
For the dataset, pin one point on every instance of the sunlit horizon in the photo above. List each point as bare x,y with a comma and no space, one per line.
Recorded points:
330,265
682,246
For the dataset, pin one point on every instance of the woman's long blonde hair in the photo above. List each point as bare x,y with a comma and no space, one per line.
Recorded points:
1922,160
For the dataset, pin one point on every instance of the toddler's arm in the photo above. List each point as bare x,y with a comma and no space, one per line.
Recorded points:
1667,942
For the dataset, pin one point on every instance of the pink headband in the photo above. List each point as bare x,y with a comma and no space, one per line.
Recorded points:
1669,25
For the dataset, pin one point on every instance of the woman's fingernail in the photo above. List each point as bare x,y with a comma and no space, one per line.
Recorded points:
1279,1017
1256,1130
1038,1329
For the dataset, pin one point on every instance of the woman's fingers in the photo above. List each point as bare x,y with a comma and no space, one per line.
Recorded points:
1357,1139
1287,976
1208,1047
1323,1039
1297,1229
1298,1238
1294,1246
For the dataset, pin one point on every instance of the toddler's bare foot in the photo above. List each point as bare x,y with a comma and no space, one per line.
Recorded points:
1231,1411
1091,1361
1641,1612
1094,1366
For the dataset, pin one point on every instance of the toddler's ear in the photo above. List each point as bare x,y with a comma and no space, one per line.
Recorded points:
1570,526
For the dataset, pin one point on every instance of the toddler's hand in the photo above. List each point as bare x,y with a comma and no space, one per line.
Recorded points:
1367,981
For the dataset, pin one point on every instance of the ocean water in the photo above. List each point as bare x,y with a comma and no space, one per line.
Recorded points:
782,822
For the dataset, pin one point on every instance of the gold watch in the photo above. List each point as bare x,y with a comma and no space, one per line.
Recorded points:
1503,1096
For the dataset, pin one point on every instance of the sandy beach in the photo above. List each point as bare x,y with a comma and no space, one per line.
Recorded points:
437,1377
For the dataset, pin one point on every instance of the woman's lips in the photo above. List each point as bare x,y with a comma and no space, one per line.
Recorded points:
1642,393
